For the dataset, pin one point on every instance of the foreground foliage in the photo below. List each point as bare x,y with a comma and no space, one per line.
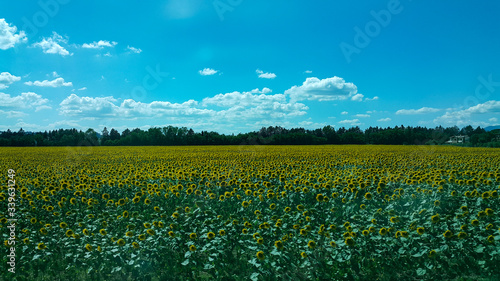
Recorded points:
254,212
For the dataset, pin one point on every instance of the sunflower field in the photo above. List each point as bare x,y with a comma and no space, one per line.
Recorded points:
253,213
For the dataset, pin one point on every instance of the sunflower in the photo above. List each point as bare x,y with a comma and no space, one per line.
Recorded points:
432,254
489,212
491,239
311,244
320,197
462,235
362,206
151,232
287,209
41,246
103,232
260,255
143,236
192,236
349,241
303,232
256,235
300,208
88,247
26,241
448,234
333,244
245,204
394,219
69,233
383,231
279,245
43,231
210,235
63,225
474,222
332,227
303,254
272,206
135,245
120,242
260,241
365,232
420,230
435,218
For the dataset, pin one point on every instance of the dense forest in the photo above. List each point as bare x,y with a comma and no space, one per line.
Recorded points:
271,136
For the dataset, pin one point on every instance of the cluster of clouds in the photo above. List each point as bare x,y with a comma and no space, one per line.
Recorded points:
54,44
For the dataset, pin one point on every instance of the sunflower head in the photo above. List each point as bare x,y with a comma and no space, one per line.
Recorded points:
260,255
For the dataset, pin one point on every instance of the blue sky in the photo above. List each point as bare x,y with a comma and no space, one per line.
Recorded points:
236,65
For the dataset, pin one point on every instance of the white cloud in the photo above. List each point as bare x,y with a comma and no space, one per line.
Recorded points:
9,36
474,115
54,74
108,54
384,119
374,98
207,71
266,75
51,45
13,114
308,71
99,44
357,97
42,107
353,122
423,110
493,120
58,82
82,89
362,115
134,50
344,113
25,100
329,89
6,79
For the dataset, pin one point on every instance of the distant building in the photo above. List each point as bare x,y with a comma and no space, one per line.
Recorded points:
459,139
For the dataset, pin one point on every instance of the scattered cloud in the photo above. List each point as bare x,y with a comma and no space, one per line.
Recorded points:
51,45
82,89
6,79
134,50
328,89
13,114
265,75
423,110
9,36
357,97
58,82
362,115
308,71
208,71
25,100
99,44
384,119
474,115
374,98
493,120
352,122
344,113
54,74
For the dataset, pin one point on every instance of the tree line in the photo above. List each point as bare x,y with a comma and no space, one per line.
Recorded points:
273,135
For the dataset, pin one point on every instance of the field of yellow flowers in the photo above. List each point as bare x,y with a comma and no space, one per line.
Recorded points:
252,213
